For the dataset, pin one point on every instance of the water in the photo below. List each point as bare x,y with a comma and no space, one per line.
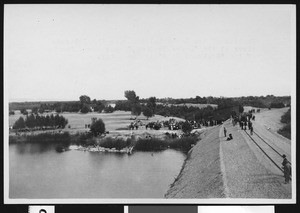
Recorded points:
40,172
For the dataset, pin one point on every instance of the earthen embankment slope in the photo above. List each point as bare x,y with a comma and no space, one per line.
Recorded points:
201,176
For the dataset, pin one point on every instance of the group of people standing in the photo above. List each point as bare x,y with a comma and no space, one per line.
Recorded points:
244,124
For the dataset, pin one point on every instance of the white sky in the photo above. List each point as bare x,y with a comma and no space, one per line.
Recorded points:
59,52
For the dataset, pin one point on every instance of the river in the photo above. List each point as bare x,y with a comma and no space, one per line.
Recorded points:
39,172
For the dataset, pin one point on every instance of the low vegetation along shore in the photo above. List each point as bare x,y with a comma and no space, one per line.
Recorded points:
88,141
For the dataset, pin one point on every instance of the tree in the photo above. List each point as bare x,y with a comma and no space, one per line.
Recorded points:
11,112
131,96
187,127
97,127
147,112
136,109
30,121
84,99
19,124
151,103
85,109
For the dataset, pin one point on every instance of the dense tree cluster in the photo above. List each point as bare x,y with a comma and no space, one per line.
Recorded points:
38,121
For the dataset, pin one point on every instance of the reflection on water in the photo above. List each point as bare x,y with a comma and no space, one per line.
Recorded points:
38,171
27,148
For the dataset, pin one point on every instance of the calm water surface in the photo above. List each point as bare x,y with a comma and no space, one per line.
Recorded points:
40,172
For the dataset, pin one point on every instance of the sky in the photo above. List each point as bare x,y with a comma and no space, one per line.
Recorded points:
60,52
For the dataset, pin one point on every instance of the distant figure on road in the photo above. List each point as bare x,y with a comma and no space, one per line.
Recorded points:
249,125
286,169
251,130
225,131
229,137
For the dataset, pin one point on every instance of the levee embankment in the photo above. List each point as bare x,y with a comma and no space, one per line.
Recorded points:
201,175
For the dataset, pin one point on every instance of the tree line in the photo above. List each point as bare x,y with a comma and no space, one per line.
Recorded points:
166,106
41,122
